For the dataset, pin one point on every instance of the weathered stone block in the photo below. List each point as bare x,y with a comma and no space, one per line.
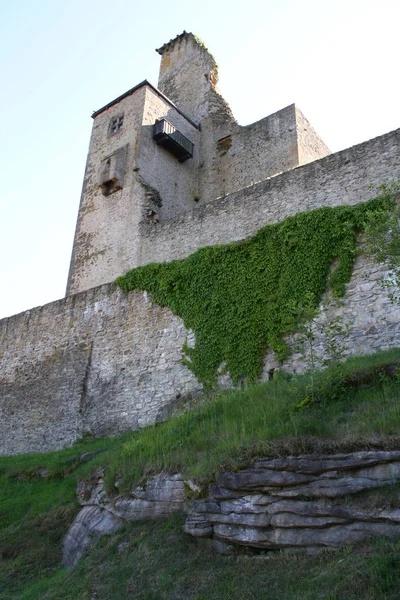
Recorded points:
90,524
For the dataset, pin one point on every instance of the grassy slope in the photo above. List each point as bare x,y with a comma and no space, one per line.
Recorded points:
238,425
157,561
35,511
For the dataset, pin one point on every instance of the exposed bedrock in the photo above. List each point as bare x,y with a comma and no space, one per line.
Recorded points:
160,496
305,502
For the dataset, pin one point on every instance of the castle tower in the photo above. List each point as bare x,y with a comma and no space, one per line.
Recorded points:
157,153
134,178
187,73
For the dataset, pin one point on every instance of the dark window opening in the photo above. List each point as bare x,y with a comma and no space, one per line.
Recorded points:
110,186
116,124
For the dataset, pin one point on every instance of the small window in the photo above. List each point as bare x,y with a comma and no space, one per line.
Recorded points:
116,124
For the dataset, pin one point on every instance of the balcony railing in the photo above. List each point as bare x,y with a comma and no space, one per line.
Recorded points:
171,139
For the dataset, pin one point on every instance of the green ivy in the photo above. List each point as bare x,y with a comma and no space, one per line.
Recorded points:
242,298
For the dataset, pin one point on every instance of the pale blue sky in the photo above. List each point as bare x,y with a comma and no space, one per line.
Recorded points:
60,60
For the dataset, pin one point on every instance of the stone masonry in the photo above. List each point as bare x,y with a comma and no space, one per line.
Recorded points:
101,362
347,177
131,182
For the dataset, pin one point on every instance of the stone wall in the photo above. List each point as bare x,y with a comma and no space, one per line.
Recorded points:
347,177
370,323
149,184
99,362
187,73
131,182
103,362
310,145
177,183
237,157
106,234
232,157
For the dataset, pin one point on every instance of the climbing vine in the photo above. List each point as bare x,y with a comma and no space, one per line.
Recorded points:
242,298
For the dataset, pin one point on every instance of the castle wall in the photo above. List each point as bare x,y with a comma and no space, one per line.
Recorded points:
310,146
369,320
347,177
107,237
132,183
247,155
187,72
99,362
103,362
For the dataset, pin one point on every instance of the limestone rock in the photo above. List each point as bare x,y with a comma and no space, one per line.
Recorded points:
319,463
136,509
313,509
263,506
247,504
220,493
90,492
251,479
161,496
205,506
293,520
168,488
251,520
89,525
198,526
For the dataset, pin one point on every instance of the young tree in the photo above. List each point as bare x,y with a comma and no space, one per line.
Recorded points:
382,238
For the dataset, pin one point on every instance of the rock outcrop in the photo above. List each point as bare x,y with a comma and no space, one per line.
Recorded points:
297,503
160,496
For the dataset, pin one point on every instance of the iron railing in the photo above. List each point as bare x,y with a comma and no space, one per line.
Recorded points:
171,139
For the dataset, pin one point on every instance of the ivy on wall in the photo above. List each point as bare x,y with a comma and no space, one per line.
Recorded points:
242,298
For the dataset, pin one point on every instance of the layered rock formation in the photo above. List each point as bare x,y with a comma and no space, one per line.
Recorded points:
296,503
160,496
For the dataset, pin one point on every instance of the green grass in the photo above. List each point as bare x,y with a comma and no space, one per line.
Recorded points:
36,511
38,500
157,561
239,425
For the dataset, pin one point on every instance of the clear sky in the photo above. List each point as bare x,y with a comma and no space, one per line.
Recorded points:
60,60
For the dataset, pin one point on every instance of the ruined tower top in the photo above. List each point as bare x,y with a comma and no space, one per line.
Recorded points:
187,72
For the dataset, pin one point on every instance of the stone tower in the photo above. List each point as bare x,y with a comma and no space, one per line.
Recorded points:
157,153
188,73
